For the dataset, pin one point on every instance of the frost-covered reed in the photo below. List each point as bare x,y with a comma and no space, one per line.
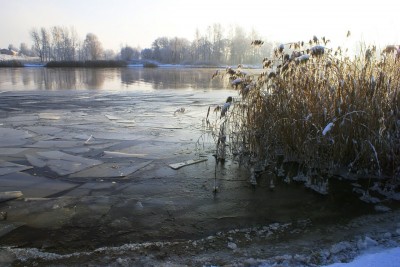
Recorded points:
321,108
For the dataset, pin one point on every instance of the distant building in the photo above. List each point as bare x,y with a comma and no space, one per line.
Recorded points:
8,52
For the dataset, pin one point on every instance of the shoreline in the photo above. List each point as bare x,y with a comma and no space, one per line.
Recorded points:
28,63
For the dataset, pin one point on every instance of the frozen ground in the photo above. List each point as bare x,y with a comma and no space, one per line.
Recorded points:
97,189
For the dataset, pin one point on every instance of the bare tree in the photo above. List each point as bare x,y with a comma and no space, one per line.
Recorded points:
64,43
217,43
57,46
255,55
147,53
73,44
129,53
57,43
37,43
162,50
92,47
239,46
109,54
180,50
25,50
46,44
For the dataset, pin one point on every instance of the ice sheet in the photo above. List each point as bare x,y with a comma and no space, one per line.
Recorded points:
56,144
9,167
9,195
64,164
157,150
12,137
112,117
21,118
35,160
6,227
116,136
110,170
115,154
11,151
49,130
33,186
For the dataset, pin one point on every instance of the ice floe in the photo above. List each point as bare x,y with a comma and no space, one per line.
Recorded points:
9,167
13,137
62,163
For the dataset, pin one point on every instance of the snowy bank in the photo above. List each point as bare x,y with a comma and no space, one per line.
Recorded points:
20,58
385,258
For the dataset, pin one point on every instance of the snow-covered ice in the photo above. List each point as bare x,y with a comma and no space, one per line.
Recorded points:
382,258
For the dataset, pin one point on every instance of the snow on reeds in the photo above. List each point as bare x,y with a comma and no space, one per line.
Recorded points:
320,108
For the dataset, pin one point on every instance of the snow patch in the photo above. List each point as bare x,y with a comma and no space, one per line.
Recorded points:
327,128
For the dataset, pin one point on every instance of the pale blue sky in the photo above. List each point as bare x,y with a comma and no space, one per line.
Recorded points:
138,23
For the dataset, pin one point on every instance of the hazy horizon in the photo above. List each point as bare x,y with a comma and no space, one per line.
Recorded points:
139,23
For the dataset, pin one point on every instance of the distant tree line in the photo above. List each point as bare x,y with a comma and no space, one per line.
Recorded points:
213,47
217,45
63,44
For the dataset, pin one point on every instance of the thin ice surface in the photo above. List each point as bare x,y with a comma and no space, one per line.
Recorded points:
32,186
11,151
63,163
13,137
110,170
44,130
9,167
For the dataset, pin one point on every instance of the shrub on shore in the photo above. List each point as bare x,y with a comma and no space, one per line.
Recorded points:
319,108
87,64
11,64
150,65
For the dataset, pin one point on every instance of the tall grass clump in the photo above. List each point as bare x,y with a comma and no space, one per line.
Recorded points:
11,64
328,112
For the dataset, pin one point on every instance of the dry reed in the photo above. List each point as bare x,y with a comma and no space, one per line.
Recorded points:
320,108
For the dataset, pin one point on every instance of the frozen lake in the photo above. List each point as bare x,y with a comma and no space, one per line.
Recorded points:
90,149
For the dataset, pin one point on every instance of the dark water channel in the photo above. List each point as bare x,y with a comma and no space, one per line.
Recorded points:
90,149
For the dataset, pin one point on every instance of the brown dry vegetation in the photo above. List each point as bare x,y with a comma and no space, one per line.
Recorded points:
320,108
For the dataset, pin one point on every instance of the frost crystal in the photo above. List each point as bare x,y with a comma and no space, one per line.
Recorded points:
327,128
